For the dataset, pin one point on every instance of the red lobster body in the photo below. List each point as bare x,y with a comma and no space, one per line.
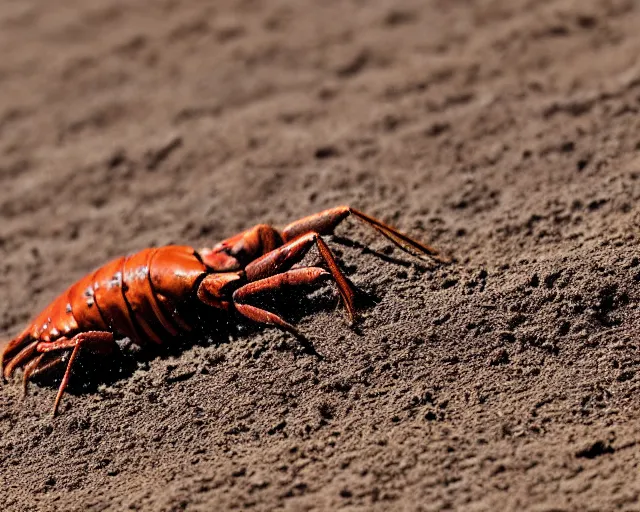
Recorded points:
149,295
136,296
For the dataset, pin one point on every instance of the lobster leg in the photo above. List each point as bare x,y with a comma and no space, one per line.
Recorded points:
283,258
38,366
29,368
278,282
20,358
326,221
99,338
47,366
295,277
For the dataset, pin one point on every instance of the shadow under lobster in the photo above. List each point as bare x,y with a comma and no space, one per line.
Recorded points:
93,370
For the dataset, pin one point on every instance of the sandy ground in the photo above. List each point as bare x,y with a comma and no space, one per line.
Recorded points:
504,132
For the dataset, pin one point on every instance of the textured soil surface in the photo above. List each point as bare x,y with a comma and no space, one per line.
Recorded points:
506,133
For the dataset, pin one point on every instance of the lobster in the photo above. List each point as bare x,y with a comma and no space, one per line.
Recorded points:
149,296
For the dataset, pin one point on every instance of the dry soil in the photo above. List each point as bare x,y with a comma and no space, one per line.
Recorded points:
504,132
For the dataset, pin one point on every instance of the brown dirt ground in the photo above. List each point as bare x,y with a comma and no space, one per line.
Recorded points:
505,132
